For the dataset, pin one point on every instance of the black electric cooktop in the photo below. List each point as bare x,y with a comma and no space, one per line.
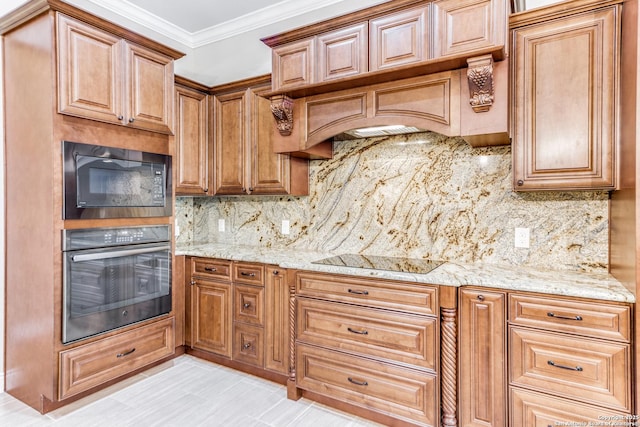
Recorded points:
406,265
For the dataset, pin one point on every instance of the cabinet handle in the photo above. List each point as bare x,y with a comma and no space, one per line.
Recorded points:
211,269
120,118
351,291
246,345
353,331
244,273
480,297
126,353
555,316
569,368
276,272
131,120
250,189
246,305
356,382
520,183
193,282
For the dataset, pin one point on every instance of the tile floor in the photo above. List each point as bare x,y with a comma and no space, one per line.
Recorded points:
185,392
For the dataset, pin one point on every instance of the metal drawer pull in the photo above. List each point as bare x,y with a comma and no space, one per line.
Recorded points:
246,305
246,346
126,353
569,368
211,269
555,316
357,332
242,273
351,380
351,291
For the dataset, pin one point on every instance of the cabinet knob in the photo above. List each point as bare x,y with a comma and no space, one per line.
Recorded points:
120,117
520,183
250,189
276,272
193,282
480,297
246,305
244,190
246,346
131,120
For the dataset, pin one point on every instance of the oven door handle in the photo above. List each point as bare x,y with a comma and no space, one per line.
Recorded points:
118,254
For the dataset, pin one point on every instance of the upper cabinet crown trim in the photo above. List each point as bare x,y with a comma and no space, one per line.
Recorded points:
547,13
36,7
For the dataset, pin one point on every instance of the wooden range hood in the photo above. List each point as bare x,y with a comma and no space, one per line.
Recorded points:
437,66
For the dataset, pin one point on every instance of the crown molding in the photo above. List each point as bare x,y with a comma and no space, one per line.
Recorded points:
260,18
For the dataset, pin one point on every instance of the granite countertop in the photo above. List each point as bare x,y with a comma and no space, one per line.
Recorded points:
565,283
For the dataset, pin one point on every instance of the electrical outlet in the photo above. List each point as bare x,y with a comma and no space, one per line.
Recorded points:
522,237
176,230
285,226
221,225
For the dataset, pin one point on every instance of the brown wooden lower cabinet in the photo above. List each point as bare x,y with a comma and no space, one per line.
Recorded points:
211,316
96,363
482,353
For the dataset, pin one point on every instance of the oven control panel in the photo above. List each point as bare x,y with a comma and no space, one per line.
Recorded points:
101,237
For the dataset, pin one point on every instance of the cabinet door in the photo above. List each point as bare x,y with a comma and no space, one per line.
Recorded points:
343,53
462,26
398,39
293,64
482,376
192,135
269,170
230,143
277,321
89,72
564,102
211,316
150,87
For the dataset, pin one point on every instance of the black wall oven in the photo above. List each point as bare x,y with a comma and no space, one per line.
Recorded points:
107,182
114,277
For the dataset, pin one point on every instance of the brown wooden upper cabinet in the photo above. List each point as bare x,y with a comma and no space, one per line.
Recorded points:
104,77
418,37
564,89
192,161
245,161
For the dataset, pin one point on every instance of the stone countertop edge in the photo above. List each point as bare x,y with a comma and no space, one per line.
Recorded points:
599,286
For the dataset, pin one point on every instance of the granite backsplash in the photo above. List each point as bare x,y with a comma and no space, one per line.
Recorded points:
421,195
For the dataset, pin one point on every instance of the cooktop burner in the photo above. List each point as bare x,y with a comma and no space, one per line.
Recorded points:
406,265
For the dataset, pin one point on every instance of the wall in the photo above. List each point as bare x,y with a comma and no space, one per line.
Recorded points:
422,195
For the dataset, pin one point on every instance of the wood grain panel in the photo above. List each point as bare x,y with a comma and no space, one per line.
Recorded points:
248,344
343,53
277,320
211,316
192,141
230,143
248,303
333,111
293,64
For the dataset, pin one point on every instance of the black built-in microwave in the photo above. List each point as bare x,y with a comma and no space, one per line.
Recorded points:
108,182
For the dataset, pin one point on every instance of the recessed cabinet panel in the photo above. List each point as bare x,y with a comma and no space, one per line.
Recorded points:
230,143
329,111
462,26
293,64
89,71
398,39
564,87
192,143
211,316
343,53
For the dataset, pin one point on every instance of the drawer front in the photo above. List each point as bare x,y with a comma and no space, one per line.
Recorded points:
406,297
248,304
589,370
251,274
530,409
212,268
392,390
394,336
248,344
90,365
599,320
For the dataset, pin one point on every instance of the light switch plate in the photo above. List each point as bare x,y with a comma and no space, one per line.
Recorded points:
522,237
285,226
221,225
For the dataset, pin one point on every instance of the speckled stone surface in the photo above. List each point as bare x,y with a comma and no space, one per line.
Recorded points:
420,196
599,286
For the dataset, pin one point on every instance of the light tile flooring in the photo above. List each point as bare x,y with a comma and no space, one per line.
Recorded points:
185,392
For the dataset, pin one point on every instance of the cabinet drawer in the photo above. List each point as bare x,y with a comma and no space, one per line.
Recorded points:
529,409
590,370
90,365
249,304
599,320
406,297
220,269
251,274
248,344
394,336
392,390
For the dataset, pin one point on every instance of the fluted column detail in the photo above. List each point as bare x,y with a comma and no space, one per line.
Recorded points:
449,357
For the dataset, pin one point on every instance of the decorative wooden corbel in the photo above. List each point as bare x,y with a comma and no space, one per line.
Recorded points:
282,110
480,76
